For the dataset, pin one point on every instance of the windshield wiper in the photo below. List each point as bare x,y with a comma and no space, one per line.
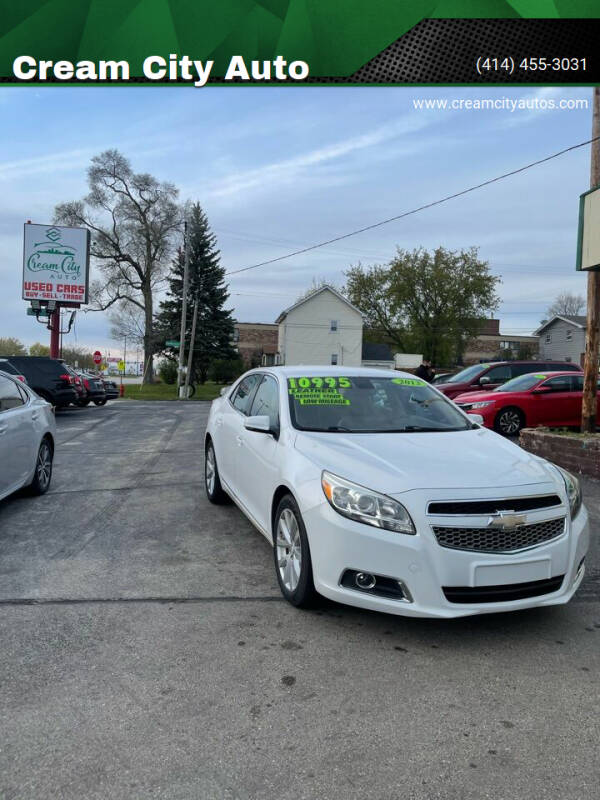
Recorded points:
339,428
424,429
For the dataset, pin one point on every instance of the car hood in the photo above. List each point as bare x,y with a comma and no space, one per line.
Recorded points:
478,397
394,463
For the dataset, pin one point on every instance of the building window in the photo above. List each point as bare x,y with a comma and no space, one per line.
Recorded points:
333,326
548,338
236,334
509,345
334,357
569,334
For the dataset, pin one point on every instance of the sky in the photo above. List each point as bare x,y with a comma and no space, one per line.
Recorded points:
277,169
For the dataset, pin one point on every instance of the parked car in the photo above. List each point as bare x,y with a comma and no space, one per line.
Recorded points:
6,366
93,389
550,398
376,491
488,376
27,437
48,377
77,383
111,388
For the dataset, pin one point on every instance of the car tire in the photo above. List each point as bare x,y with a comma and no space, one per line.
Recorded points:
83,403
43,469
291,554
509,421
100,402
212,482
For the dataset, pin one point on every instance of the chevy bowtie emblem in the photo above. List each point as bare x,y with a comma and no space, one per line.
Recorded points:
505,520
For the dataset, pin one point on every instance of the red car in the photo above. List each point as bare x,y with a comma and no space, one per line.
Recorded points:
540,398
488,376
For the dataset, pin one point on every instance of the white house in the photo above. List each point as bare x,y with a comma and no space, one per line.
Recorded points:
322,328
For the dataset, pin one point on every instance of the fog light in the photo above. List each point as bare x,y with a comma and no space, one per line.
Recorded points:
364,580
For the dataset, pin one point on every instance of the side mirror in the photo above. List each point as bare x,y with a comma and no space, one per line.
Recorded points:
260,424
483,381
223,391
476,418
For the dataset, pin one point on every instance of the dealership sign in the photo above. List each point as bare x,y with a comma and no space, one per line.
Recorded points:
56,263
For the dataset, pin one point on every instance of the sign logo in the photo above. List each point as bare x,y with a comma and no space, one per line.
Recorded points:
54,256
506,520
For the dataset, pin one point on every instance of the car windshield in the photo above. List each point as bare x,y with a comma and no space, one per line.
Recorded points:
520,384
466,375
370,404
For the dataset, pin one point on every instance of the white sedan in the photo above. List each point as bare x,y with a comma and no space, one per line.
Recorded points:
377,491
27,437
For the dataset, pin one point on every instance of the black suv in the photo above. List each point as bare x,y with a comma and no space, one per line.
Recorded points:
48,377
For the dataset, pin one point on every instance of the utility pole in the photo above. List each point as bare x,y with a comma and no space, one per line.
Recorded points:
590,369
54,325
186,279
191,350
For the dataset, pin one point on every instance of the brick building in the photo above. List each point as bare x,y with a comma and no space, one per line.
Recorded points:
254,340
491,343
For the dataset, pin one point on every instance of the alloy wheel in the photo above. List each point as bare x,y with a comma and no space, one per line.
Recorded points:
509,422
44,466
289,549
210,470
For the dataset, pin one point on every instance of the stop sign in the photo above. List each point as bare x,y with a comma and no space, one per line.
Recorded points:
97,357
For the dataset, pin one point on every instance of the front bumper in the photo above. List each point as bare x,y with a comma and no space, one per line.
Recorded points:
424,567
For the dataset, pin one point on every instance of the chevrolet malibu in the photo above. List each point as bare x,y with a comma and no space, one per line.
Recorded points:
377,491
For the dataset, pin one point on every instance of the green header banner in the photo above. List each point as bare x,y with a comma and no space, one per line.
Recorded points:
196,43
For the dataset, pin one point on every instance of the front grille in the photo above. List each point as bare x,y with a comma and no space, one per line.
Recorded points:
493,506
496,540
501,594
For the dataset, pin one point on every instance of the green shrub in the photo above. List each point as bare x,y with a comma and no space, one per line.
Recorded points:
226,370
167,371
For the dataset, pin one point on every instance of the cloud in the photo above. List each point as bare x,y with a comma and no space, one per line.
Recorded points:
287,169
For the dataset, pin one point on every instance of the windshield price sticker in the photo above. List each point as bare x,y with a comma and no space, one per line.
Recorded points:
408,381
319,391
540,376
317,383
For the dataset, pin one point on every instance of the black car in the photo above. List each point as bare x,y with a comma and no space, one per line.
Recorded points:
48,378
93,387
111,389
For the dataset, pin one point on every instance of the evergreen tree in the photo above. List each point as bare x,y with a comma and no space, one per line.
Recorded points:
214,328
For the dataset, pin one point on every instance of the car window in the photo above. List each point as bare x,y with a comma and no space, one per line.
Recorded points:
370,404
526,369
466,375
520,384
10,396
243,394
577,383
562,383
266,401
498,374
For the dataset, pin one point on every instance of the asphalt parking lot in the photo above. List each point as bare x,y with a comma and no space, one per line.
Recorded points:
147,653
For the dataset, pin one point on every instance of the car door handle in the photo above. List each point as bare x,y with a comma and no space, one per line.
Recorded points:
35,415
239,441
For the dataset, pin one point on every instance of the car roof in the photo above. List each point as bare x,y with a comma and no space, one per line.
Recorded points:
298,370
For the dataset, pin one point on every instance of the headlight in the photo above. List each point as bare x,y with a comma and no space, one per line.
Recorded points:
364,505
482,404
573,490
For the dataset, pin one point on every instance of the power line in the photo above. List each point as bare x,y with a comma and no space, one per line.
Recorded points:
416,210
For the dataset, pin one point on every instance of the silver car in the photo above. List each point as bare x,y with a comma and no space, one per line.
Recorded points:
27,438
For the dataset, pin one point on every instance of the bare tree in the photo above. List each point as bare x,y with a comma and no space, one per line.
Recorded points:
127,322
566,303
133,219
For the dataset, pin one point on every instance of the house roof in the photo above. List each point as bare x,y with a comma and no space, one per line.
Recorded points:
574,319
310,296
376,352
